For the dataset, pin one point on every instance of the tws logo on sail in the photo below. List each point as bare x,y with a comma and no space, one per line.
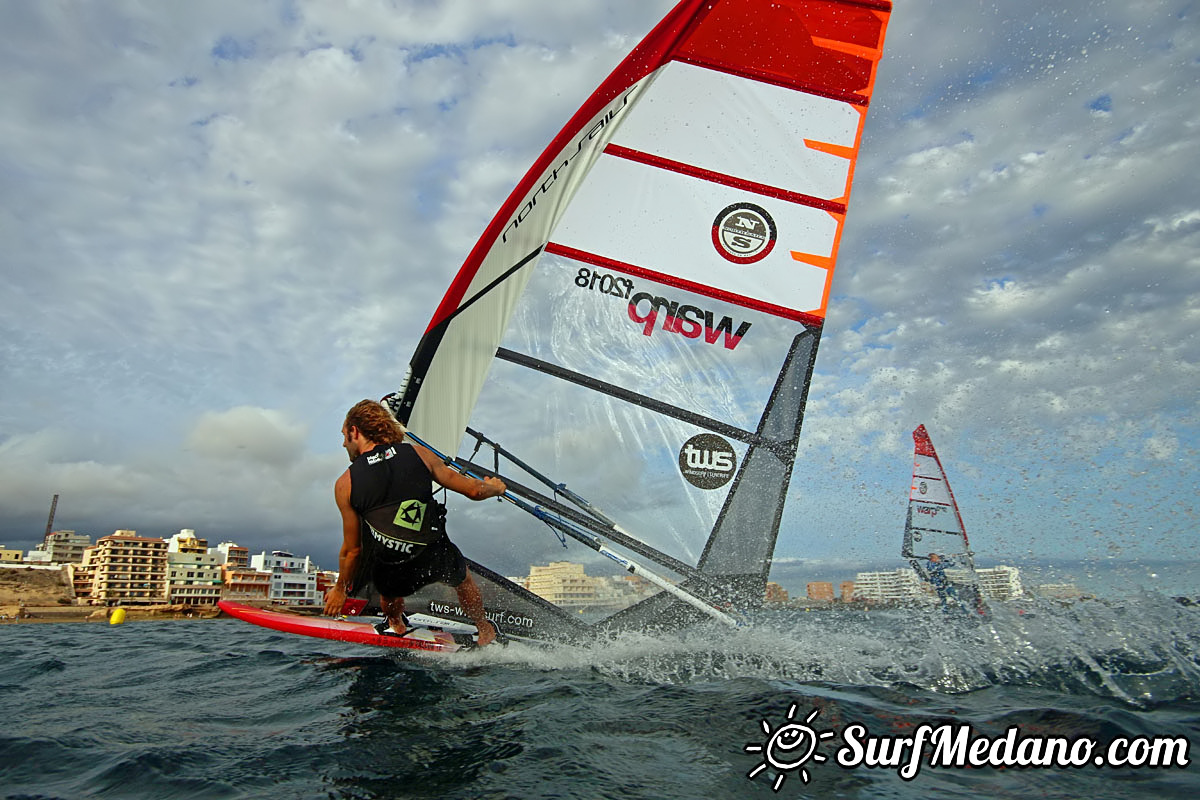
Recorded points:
707,461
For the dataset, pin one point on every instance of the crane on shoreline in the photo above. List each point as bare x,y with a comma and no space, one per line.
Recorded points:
50,523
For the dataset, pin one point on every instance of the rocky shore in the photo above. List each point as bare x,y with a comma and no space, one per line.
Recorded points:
23,615
38,595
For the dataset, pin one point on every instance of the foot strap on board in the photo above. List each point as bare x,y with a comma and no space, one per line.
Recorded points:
385,628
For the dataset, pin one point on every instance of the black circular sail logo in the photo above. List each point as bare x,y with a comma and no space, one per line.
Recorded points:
744,233
707,461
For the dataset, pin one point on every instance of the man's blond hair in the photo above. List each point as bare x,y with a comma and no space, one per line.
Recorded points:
374,422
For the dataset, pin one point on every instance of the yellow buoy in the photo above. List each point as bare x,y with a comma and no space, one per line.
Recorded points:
118,616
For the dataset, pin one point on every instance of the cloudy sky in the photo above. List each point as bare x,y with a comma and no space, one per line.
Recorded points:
225,222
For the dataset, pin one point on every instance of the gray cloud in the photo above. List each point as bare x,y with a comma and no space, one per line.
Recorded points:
248,434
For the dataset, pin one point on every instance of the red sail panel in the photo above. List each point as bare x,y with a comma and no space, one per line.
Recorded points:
826,48
924,447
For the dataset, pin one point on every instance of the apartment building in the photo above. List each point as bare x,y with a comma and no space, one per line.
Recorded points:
566,584
894,586
83,576
233,555
293,580
186,541
193,571
244,584
66,547
1000,583
60,547
563,583
775,595
819,591
995,583
129,570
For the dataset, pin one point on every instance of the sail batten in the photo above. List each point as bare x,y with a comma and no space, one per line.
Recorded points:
712,176
631,397
680,283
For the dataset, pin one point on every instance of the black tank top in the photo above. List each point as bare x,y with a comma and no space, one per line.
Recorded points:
392,491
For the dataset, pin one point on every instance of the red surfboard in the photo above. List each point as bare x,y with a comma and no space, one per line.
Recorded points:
345,630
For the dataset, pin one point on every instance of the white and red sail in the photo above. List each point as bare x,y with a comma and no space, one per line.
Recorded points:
934,522
640,318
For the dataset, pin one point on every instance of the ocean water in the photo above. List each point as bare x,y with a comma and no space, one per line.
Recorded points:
221,709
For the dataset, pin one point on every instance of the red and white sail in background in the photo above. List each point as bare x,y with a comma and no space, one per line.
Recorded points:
934,523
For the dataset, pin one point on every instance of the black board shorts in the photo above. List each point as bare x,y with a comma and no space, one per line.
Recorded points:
441,562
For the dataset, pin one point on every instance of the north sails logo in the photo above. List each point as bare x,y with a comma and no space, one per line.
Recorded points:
744,233
690,322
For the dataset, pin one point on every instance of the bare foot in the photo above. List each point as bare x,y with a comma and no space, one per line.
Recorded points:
388,629
487,633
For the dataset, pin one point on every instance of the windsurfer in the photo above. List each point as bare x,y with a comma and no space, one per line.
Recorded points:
389,516
935,574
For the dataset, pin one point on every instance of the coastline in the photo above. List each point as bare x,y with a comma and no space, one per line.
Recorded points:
97,614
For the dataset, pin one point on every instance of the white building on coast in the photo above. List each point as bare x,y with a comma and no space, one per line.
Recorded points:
293,580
